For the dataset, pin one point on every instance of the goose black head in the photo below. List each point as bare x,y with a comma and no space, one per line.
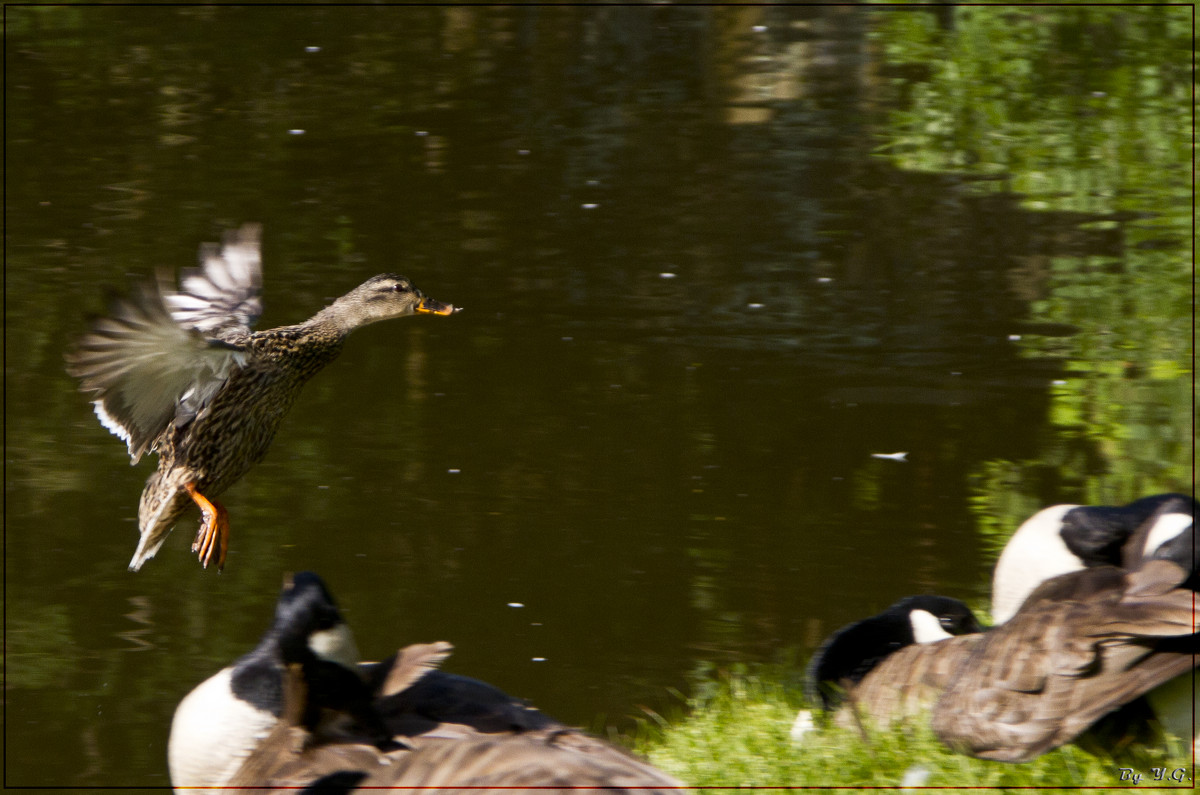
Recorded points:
850,653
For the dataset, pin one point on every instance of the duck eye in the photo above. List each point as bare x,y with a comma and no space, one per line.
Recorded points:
399,288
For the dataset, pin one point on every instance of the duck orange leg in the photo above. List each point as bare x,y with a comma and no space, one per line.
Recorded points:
214,529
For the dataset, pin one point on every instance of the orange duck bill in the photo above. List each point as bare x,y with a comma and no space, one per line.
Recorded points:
429,306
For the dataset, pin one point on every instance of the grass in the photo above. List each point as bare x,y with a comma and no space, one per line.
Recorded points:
737,733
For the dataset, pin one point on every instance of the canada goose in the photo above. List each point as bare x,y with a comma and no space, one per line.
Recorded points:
1066,538
1082,645
181,374
291,714
218,723
850,653
448,756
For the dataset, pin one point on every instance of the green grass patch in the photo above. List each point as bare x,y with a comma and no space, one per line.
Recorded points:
737,733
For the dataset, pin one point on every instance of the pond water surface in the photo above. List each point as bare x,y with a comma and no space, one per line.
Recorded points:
713,277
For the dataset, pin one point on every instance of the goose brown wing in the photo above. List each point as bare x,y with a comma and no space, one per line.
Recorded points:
910,680
471,756
221,298
1063,662
567,759
142,367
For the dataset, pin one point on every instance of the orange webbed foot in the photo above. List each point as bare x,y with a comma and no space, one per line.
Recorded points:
213,536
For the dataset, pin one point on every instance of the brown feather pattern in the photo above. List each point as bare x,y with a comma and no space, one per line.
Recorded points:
180,373
450,732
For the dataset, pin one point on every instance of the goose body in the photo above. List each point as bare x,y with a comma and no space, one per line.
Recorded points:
1159,527
1065,538
848,655
220,722
1081,647
181,373
338,727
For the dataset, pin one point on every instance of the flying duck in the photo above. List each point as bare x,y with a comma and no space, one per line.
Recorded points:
180,373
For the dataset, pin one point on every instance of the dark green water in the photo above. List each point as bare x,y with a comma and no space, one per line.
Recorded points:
712,260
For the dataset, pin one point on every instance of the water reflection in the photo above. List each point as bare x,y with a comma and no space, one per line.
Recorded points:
666,472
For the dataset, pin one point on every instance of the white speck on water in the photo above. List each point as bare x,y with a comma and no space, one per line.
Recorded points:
666,275
515,604
421,133
593,182
454,471
589,206
759,28
1059,382
1014,337
538,659
312,49
891,456
824,279
322,487
296,132
755,306
522,151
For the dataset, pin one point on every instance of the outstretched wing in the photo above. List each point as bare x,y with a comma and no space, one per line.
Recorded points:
221,298
162,354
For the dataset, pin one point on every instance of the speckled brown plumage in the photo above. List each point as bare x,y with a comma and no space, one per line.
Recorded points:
180,373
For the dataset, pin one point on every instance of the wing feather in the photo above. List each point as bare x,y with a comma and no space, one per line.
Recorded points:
221,298
139,364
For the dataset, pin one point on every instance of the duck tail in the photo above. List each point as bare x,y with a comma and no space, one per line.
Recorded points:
158,511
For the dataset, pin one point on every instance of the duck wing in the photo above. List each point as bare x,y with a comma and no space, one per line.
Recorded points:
161,355
222,297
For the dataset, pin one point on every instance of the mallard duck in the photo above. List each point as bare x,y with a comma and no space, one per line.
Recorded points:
180,373
1081,649
296,712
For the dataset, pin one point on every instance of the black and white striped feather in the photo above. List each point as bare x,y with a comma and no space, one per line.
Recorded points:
222,297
